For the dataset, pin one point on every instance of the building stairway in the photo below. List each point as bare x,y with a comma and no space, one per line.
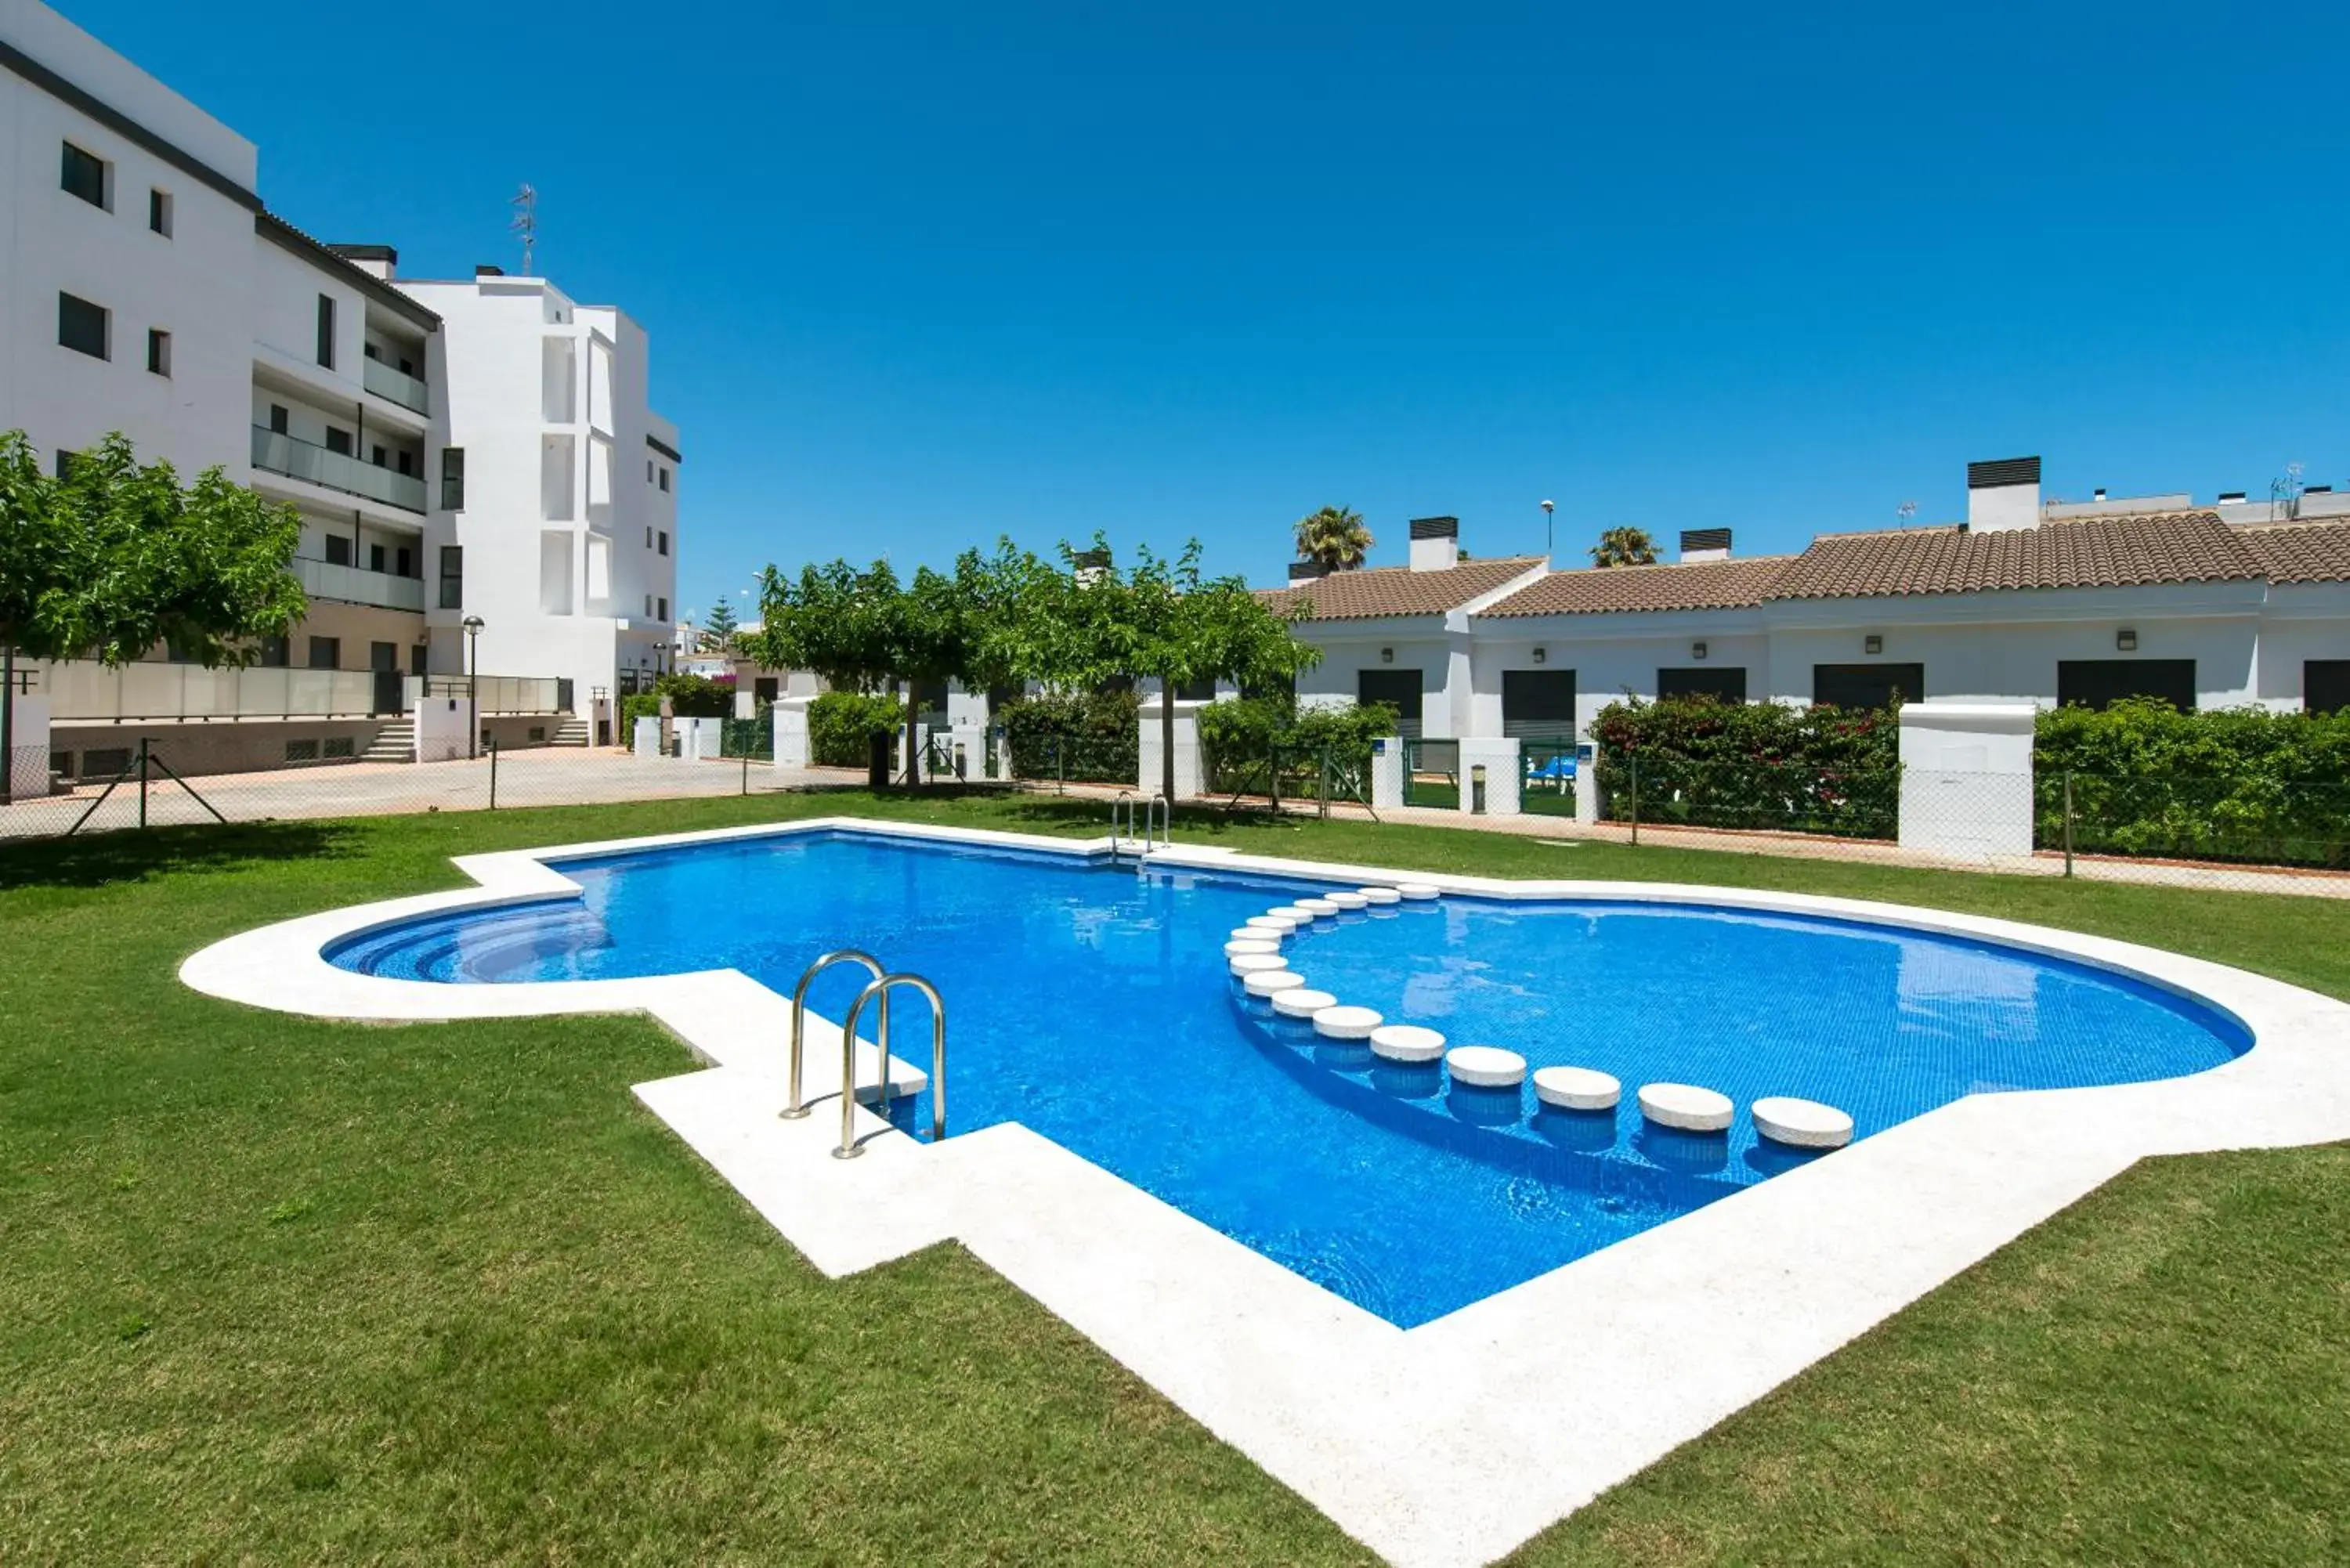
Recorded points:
395,743
572,731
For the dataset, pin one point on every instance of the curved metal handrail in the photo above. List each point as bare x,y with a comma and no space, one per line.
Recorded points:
1158,823
793,1108
850,1148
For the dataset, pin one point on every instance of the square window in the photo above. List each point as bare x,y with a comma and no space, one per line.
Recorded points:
338,441
338,551
159,212
342,746
158,351
84,174
326,652
275,653
301,751
83,327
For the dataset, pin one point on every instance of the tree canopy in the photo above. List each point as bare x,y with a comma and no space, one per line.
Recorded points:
1335,537
1625,546
113,557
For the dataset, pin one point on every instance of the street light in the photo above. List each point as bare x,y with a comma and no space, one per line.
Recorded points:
1549,549
472,624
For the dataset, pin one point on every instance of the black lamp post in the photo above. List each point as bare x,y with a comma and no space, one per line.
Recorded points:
473,685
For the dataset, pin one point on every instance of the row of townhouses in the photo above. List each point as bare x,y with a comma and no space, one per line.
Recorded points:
2241,602
486,494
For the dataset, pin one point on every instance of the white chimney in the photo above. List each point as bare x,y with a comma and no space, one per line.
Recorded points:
1705,544
2003,494
376,261
1435,544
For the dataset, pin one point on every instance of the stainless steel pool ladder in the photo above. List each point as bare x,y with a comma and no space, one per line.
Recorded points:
850,1148
794,1109
1153,818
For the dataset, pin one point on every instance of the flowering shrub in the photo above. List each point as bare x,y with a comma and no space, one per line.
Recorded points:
1760,765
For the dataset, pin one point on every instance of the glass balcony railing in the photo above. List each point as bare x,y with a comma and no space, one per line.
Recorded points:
354,586
280,454
394,386
86,691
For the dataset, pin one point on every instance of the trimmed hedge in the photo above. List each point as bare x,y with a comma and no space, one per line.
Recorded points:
1756,765
691,697
1247,744
2222,783
840,724
1092,736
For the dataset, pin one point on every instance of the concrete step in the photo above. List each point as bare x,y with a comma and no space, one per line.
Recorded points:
395,743
570,733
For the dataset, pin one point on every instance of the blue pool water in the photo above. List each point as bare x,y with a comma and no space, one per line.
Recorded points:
1093,1005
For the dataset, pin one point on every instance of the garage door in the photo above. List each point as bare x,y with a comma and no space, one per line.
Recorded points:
1867,685
2101,682
1538,704
1398,689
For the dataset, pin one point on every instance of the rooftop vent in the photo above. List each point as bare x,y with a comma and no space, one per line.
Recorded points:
376,261
1435,544
2003,493
2231,498
485,269
1705,544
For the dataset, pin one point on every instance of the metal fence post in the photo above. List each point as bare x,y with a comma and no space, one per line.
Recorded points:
1636,796
1325,812
746,772
142,781
1272,776
2068,823
493,772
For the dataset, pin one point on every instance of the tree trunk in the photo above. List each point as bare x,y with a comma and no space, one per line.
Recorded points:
1167,740
913,741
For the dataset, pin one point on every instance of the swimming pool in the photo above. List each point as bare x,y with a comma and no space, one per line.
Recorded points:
1093,1004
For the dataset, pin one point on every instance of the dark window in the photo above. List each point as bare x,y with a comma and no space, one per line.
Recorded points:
2325,685
338,440
339,550
373,352
452,576
342,746
664,479
1195,691
276,653
406,462
277,418
379,457
1867,685
453,479
664,543
383,657
416,658
105,761
83,175
82,327
649,535
177,652
1398,689
404,561
159,212
648,470
1724,683
375,564
2101,682
326,652
158,351
327,331
1538,704
408,367
65,462
302,751
762,687
664,611
930,703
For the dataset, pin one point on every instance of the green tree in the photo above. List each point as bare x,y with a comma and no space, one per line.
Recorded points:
1335,537
718,628
1625,546
115,558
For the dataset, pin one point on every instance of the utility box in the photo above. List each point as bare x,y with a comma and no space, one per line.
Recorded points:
1966,779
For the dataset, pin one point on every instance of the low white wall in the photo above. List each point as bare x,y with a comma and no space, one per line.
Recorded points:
29,748
1499,758
698,738
794,747
1386,774
1189,776
645,740
1966,778
445,729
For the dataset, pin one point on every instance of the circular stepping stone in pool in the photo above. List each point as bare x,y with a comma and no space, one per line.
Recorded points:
1346,1022
1685,1106
1576,1088
1266,981
1345,900
1251,944
1320,909
1801,1124
1406,1043
1297,912
1416,891
1246,964
1485,1067
1301,1004
1279,924
1380,895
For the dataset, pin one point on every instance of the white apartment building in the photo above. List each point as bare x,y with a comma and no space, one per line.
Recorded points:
482,462
2237,603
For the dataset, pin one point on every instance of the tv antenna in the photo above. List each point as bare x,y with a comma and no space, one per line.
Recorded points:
525,222
1905,511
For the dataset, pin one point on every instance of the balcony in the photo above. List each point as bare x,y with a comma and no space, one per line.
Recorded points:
295,458
354,586
393,387
89,691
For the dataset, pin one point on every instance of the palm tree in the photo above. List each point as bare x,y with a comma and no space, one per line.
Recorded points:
1334,536
1624,547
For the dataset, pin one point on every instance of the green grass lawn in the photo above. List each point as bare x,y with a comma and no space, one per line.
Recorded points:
282,1291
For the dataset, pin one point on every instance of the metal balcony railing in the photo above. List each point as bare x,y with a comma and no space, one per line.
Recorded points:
395,386
354,586
296,459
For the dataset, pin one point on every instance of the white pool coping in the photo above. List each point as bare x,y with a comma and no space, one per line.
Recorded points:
1449,1444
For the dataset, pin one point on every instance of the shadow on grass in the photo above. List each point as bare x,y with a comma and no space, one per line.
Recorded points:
101,859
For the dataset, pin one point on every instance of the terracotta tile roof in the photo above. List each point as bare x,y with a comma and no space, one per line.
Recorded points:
2301,552
1695,584
1375,591
2083,553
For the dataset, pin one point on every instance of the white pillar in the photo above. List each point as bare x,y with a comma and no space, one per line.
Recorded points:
794,746
1499,758
27,761
646,740
1188,784
445,729
1386,774
1966,778
1586,782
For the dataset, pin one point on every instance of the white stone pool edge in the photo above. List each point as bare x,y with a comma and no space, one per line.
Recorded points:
1448,1444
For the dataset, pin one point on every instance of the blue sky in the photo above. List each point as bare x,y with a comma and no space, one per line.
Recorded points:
918,275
